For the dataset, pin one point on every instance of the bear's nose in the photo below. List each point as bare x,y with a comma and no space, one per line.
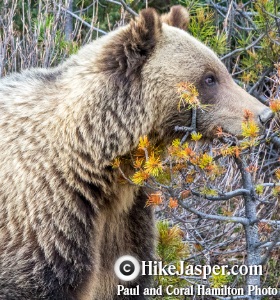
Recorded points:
265,116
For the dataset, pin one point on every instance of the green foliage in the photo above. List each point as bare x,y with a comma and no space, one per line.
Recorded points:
206,191
218,280
202,26
259,189
170,249
271,273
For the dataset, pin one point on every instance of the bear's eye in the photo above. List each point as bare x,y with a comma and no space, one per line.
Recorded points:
210,80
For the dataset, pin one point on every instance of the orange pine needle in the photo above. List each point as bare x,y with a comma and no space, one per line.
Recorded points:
154,199
173,203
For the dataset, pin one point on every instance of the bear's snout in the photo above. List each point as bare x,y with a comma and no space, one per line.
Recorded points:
265,116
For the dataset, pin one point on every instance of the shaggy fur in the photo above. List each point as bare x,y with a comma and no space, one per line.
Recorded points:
64,219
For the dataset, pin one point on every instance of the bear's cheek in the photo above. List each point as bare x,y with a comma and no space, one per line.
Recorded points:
206,122
168,120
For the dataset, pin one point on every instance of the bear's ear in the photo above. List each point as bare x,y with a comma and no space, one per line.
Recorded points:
177,17
128,50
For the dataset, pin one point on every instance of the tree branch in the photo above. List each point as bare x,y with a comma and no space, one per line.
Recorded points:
225,196
240,220
83,21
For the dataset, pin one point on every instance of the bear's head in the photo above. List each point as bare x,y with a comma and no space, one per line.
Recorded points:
150,56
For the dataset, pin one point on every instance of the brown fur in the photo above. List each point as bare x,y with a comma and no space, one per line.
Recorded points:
177,17
64,217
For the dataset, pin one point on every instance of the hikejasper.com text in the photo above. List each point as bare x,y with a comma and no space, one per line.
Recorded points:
158,268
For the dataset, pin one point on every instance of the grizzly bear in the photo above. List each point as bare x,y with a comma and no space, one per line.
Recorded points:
64,219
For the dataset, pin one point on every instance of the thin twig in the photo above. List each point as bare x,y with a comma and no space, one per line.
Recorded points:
244,49
125,6
240,220
260,80
265,258
83,21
